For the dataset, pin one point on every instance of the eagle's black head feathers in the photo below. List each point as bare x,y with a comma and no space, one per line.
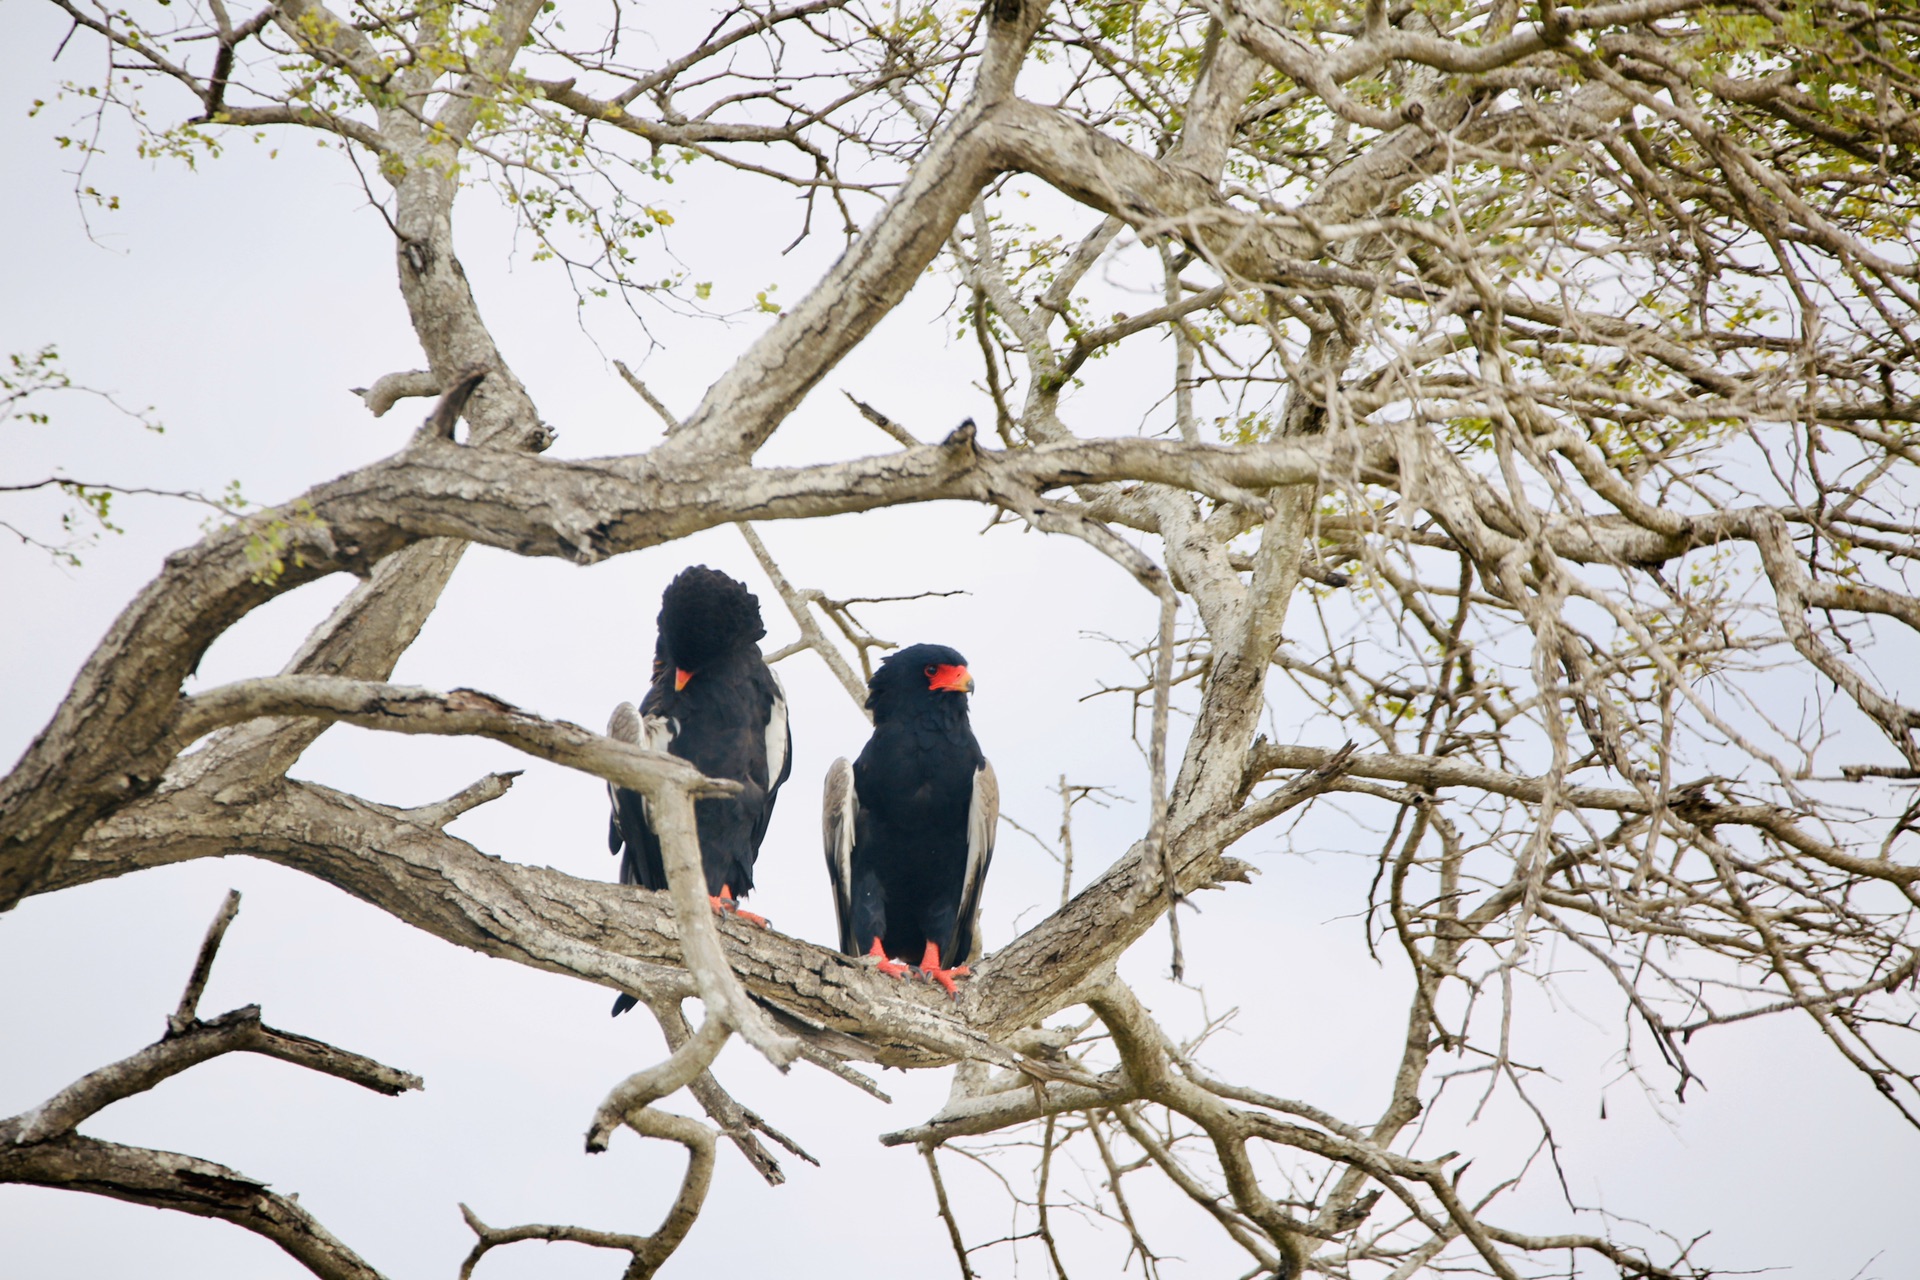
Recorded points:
921,673
704,614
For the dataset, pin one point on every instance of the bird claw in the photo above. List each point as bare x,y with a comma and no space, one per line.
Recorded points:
945,977
930,970
751,918
892,968
723,904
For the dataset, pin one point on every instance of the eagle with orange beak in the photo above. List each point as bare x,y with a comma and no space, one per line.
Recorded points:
714,703
909,826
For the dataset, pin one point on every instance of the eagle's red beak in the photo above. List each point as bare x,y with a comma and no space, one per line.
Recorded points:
950,679
680,679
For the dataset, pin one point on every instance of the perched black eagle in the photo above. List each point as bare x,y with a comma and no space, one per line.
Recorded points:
715,704
909,826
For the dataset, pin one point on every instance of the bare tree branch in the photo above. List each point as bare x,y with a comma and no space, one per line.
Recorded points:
1605,576
39,1147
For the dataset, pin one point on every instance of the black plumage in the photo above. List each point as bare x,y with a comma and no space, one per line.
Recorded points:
715,704
909,826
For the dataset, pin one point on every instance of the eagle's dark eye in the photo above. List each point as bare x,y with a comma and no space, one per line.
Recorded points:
929,673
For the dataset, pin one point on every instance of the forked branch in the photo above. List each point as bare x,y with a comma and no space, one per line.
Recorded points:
649,1252
41,1148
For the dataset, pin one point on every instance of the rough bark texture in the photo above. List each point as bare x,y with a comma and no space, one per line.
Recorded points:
1504,343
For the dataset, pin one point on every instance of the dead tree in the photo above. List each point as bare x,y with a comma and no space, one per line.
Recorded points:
1535,433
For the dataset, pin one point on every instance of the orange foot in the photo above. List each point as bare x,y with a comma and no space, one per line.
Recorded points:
725,905
892,968
930,969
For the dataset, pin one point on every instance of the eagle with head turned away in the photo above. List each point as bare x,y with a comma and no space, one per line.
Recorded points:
714,703
909,826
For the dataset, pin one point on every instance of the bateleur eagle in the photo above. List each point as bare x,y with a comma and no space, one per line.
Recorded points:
909,826
715,704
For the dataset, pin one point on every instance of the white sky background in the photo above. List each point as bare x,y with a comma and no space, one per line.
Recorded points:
241,302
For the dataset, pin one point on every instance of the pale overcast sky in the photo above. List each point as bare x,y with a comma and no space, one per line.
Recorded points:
241,302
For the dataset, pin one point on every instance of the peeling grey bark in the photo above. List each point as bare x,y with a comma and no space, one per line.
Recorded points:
1439,401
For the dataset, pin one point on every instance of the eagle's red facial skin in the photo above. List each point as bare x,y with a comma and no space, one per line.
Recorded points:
680,679
949,679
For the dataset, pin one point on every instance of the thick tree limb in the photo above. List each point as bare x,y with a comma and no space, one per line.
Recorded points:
626,938
670,813
461,713
744,407
108,743
39,1147
166,1180
611,935
1448,391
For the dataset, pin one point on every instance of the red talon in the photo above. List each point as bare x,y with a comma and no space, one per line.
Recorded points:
726,906
892,968
931,970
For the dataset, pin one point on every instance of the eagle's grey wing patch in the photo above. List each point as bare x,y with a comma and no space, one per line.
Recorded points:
837,811
779,738
623,726
983,824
